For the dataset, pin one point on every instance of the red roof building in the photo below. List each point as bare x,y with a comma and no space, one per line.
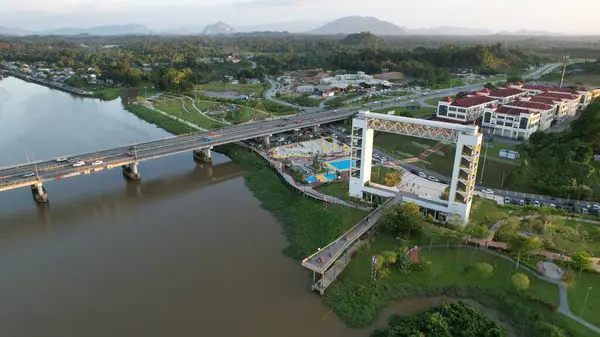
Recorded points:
512,122
463,110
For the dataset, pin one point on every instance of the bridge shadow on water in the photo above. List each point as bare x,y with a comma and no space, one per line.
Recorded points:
117,200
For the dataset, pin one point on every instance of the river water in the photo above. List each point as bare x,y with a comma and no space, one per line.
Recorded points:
186,252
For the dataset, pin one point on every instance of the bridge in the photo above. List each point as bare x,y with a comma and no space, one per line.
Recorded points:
35,173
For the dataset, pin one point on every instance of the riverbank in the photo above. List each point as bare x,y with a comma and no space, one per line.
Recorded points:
53,85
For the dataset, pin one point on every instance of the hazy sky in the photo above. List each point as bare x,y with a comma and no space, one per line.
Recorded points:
573,16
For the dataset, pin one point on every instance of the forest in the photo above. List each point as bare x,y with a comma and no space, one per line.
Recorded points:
562,164
177,61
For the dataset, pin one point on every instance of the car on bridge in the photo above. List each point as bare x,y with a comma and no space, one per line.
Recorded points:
130,154
79,163
61,159
28,174
97,162
208,139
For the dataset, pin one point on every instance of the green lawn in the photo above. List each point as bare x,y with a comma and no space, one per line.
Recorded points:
403,111
204,105
378,173
400,146
301,100
243,89
107,93
577,293
337,189
176,108
158,119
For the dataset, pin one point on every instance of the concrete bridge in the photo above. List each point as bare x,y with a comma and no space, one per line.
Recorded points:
128,157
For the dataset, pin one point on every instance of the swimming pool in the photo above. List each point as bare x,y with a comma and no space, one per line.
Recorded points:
311,179
342,165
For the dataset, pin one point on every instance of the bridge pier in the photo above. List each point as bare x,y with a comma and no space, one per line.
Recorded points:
39,193
266,140
203,155
315,128
131,171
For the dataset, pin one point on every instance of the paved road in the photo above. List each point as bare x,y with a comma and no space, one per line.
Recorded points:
12,177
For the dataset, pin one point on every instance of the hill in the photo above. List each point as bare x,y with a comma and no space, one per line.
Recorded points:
449,30
218,28
129,29
361,39
358,24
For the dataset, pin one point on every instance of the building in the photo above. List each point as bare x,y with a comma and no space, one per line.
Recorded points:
516,123
572,101
305,89
547,111
506,95
351,79
561,109
584,94
463,110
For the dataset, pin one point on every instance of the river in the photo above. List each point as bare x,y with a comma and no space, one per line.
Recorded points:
186,252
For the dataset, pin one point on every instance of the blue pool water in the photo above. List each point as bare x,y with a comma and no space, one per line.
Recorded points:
311,179
330,176
342,165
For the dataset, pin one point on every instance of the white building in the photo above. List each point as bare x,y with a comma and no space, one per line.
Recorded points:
571,101
584,94
463,110
511,122
506,95
305,89
347,79
561,109
547,112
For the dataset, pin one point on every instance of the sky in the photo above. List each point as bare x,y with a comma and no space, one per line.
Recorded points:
573,16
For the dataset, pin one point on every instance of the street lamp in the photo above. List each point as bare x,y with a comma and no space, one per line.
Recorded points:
585,301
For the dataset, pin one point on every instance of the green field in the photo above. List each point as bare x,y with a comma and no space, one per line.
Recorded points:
242,89
403,111
577,293
184,110
158,119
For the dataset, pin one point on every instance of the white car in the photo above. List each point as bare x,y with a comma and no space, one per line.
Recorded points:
488,191
61,159
434,179
79,163
98,162
422,175
28,174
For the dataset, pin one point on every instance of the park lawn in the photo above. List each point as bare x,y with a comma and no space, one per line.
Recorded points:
301,100
273,108
158,119
577,293
204,105
592,245
493,150
396,145
400,111
242,89
335,189
244,114
107,93
177,109
482,207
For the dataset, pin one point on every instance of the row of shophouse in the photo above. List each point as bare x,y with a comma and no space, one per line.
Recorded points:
517,110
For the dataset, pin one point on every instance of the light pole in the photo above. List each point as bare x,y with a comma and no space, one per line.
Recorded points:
585,301
27,156
35,167
483,167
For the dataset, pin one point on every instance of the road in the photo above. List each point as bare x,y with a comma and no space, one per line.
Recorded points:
12,177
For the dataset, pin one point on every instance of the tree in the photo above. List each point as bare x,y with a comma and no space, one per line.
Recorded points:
393,178
389,257
524,245
485,269
582,260
520,281
445,195
400,219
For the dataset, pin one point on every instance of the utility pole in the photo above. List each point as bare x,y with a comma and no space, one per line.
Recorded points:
565,61
35,168
27,156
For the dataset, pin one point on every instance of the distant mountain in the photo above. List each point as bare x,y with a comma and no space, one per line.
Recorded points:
357,24
218,28
364,39
13,31
448,30
130,29
525,32
299,26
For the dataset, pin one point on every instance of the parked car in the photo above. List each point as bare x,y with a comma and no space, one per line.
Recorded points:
487,190
422,175
521,202
536,203
434,179
414,172
506,200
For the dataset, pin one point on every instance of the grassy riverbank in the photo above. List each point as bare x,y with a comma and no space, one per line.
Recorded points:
158,119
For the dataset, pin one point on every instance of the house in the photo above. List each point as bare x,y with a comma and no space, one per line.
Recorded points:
253,81
516,123
330,92
583,93
547,111
234,82
463,110
235,60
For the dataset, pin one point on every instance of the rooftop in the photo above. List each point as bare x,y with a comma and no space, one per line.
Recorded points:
530,105
557,95
472,101
505,92
513,111
545,100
